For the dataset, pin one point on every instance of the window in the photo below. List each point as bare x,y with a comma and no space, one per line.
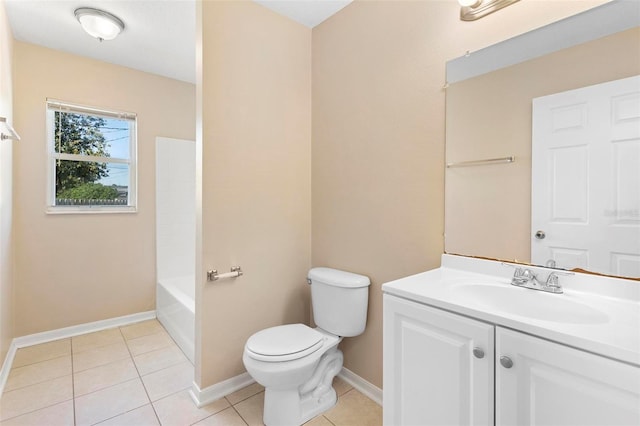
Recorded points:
92,159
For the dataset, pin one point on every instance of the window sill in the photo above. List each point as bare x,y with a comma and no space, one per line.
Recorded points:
55,210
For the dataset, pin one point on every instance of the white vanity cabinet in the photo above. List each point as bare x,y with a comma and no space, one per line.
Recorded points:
553,384
432,376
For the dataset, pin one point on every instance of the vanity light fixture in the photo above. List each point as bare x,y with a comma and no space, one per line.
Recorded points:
470,10
98,23
11,133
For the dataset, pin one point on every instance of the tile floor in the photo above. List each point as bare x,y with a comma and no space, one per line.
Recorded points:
136,375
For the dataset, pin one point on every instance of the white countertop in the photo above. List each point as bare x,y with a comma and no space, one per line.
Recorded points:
615,335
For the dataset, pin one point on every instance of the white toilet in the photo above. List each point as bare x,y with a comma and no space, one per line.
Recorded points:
296,364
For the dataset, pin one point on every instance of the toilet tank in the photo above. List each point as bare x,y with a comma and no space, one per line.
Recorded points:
339,300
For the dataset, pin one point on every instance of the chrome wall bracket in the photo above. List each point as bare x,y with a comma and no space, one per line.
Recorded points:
12,133
213,275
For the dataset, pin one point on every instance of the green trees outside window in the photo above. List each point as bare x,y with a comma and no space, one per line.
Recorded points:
81,144
79,134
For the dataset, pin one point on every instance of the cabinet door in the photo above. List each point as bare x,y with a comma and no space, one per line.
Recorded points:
431,376
553,384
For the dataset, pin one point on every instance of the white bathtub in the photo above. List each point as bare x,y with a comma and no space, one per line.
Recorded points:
175,308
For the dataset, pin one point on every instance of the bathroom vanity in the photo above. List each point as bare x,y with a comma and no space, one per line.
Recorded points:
462,345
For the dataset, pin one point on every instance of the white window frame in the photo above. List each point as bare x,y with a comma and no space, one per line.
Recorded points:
53,106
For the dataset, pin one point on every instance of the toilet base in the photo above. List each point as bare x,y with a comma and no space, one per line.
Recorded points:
312,407
293,407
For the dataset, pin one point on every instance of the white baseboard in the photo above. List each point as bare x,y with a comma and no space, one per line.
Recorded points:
373,392
219,390
216,391
63,333
6,366
76,330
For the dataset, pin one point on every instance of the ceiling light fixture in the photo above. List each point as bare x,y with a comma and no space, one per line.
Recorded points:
470,10
98,23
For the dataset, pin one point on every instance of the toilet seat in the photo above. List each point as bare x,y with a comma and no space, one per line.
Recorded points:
284,343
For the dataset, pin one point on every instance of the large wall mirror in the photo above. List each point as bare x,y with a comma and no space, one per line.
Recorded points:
490,93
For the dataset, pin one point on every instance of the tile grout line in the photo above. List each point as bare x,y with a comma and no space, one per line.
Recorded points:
129,380
36,383
327,419
98,390
154,350
164,368
232,406
73,384
72,377
238,412
13,367
201,420
33,384
37,409
241,401
100,346
244,399
132,358
160,369
108,387
126,342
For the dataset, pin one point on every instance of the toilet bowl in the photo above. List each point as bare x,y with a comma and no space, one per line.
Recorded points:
298,381
295,363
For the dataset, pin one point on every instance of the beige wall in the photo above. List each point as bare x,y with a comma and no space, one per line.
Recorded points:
477,222
6,179
379,138
377,165
254,154
73,269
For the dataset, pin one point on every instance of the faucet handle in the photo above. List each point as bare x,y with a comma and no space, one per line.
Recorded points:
552,280
528,274
553,285
520,274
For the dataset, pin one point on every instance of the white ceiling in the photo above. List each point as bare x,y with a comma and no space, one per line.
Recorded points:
159,35
307,12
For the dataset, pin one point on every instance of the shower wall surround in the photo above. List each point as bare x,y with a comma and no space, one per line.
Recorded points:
176,240
175,208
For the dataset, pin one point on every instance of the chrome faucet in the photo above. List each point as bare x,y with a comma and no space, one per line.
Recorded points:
524,277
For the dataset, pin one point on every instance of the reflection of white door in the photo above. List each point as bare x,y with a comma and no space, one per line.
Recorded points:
586,178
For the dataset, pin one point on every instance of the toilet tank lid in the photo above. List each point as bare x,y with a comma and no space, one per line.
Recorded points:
338,278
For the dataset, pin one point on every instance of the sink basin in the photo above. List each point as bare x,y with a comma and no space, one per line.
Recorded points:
527,303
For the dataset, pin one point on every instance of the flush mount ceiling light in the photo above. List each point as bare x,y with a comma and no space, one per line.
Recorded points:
471,10
98,23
